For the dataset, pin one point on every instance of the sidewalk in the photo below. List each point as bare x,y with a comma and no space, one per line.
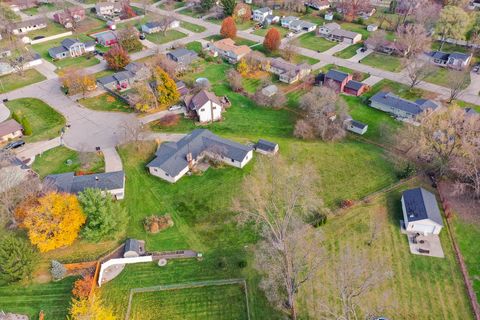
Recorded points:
47,69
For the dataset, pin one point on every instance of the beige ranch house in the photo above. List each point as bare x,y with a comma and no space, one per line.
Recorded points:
175,159
9,130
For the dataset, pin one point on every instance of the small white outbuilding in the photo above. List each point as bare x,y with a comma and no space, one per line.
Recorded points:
420,212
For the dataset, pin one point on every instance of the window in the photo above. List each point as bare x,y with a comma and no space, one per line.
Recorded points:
233,160
201,110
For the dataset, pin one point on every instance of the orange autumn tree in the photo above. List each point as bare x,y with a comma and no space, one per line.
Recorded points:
54,222
229,29
272,40
82,287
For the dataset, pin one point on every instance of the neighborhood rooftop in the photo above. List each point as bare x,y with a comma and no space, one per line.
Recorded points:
70,183
417,107
171,157
420,205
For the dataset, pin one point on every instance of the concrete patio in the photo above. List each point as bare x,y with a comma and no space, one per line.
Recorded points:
423,245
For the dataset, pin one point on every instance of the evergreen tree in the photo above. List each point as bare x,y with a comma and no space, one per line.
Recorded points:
17,258
105,217
207,4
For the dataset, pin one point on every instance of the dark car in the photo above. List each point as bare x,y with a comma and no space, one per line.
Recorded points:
14,145
142,36
363,49
96,52
38,37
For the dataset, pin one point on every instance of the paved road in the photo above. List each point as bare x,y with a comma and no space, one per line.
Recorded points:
4,112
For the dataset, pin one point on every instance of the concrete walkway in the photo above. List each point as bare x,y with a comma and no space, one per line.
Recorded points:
339,47
4,112
372,80
158,115
113,162
159,136
360,55
47,69
29,151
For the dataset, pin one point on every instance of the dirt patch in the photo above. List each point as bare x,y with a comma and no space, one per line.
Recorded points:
465,207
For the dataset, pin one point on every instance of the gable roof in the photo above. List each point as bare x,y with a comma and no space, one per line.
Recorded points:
181,52
265,145
421,204
345,33
358,124
68,182
444,56
332,26
9,126
171,157
263,10
107,35
27,23
133,245
389,99
336,75
197,101
228,44
354,85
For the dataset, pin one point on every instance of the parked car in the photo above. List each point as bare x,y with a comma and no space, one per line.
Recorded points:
96,52
175,107
142,36
38,37
363,49
14,145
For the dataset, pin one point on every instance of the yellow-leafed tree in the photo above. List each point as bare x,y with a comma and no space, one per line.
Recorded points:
242,68
54,222
90,308
167,92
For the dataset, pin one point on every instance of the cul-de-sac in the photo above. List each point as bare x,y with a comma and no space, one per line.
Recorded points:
239,159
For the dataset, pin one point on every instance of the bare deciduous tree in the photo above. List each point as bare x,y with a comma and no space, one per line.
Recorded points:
458,80
275,196
355,275
418,69
235,80
412,40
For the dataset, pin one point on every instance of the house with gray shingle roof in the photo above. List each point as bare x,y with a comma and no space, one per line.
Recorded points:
289,72
261,14
205,106
26,26
71,48
402,108
454,60
109,182
183,57
420,212
174,159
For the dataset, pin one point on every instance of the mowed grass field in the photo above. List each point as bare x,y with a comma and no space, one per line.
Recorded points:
420,288
46,123
226,302
53,298
14,81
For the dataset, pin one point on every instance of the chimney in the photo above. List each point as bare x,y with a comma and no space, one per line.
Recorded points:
190,160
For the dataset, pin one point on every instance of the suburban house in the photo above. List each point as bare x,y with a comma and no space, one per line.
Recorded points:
17,5
109,182
183,57
119,81
71,48
261,14
266,147
12,172
134,248
300,25
420,212
158,26
271,18
341,82
289,72
227,49
109,9
182,88
454,60
138,71
107,38
174,159
26,26
356,126
10,129
402,108
286,21
318,4
31,60
75,13
333,32
386,47
205,106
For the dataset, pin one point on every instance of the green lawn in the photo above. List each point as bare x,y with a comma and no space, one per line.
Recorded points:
359,28
47,7
464,104
14,81
251,85
383,61
191,13
192,27
212,302
417,281
170,35
195,46
263,31
46,123
313,42
55,160
399,89
78,62
349,52
105,102
53,298
442,77
468,237
52,28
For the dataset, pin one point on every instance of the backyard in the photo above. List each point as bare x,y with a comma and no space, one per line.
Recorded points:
417,281
170,35
45,122
105,102
61,159
263,31
14,81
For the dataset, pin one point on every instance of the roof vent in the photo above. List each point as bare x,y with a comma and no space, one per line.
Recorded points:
96,178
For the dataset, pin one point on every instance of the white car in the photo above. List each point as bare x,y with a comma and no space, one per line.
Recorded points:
175,108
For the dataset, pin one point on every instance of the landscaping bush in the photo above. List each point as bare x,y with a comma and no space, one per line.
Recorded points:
82,287
317,219
27,128
169,120
408,170
57,270
155,224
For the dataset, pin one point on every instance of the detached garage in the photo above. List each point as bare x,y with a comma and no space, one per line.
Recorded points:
420,212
